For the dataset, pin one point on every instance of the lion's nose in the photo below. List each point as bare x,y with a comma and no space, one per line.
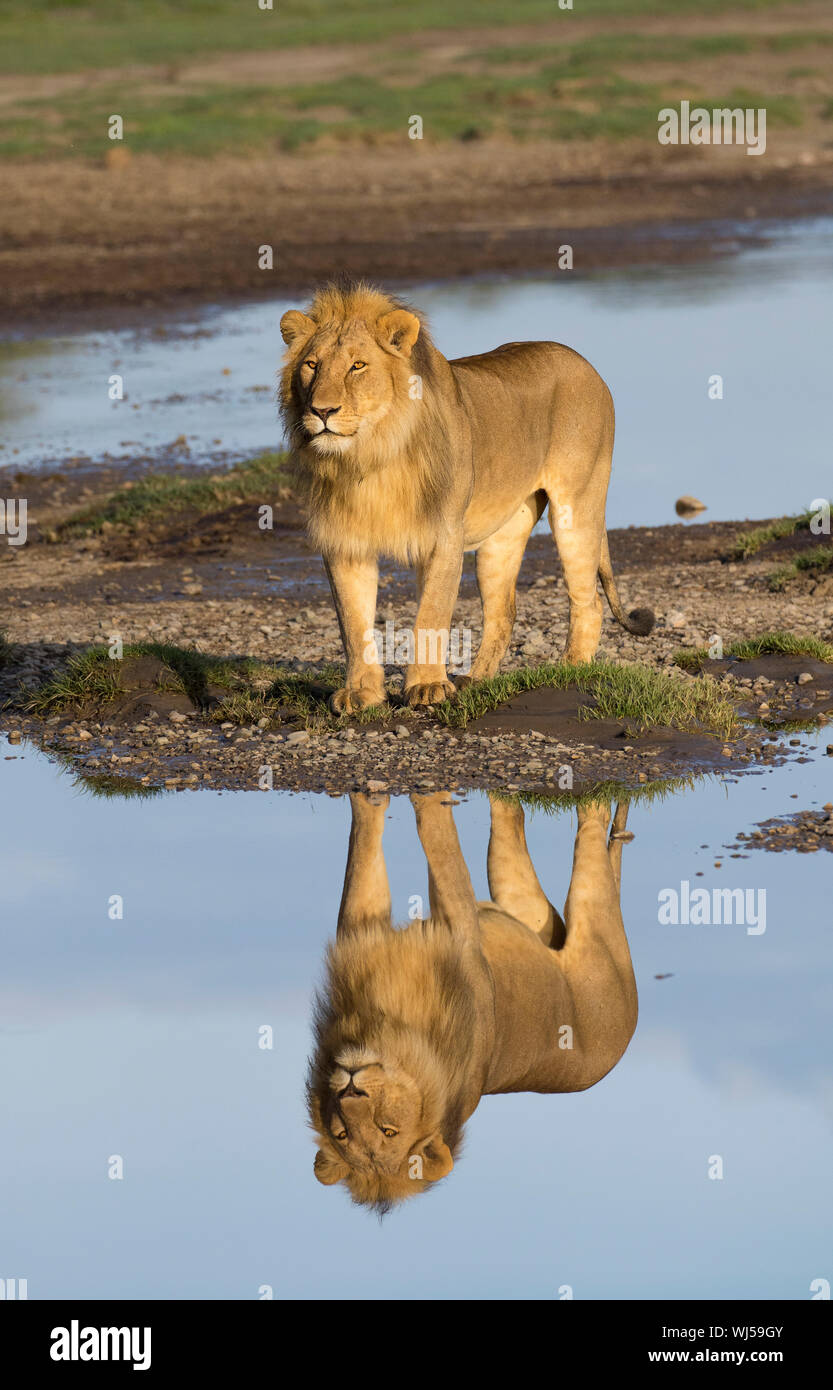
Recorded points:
351,1090
325,411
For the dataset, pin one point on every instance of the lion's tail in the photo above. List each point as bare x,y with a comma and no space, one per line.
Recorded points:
640,620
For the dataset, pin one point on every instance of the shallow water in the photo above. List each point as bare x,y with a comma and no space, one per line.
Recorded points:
760,319
139,1038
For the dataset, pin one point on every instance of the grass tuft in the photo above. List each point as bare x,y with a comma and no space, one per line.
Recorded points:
768,644
240,690
815,562
553,803
748,542
638,694
157,496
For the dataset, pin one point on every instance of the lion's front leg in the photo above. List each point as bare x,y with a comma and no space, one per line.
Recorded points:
354,584
426,678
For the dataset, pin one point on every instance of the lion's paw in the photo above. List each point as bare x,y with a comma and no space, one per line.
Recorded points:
351,699
430,692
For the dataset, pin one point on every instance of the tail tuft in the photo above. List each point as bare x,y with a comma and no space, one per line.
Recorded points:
641,621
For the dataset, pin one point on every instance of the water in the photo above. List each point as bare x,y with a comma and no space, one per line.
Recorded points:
139,1038
760,319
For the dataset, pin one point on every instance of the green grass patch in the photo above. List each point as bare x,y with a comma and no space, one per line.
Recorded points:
584,57
786,43
749,542
553,803
768,644
636,694
39,36
240,690
109,786
245,691
159,495
573,91
815,562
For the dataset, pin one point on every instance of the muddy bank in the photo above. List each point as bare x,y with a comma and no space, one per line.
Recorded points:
217,583
777,688
159,232
160,731
166,743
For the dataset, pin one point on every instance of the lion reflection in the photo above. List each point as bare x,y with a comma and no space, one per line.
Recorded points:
413,1026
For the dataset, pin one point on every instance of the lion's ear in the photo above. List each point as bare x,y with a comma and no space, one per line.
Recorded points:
328,1170
294,325
436,1159
398,330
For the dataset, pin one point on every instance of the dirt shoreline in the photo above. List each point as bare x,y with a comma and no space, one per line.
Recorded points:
228,589
153,234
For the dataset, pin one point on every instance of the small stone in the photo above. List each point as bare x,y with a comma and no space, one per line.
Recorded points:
84,734
803,678
688,505
376,786
402,731
14,736
299,737
176,717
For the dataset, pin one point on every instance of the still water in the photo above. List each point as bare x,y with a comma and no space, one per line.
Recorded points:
139,1038
761,320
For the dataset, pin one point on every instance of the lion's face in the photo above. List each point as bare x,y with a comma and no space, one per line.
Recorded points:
373,1123
343,378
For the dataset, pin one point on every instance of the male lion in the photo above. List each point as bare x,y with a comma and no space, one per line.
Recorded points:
408,455
414,1025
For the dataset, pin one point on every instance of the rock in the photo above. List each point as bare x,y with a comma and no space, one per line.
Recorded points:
402,731
14,736
803,678
374,785
688,505
299,737
177,718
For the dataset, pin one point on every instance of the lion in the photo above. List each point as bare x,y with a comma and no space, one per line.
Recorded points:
405,454
414,1025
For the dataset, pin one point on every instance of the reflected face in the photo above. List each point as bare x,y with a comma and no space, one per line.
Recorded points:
376,1127
374,1113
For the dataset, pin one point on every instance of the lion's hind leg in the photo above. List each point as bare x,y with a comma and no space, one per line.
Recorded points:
577,530
513,882
498,562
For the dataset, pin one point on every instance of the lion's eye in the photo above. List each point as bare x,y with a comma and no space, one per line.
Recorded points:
388,1132
311,363
357,366
342,1135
